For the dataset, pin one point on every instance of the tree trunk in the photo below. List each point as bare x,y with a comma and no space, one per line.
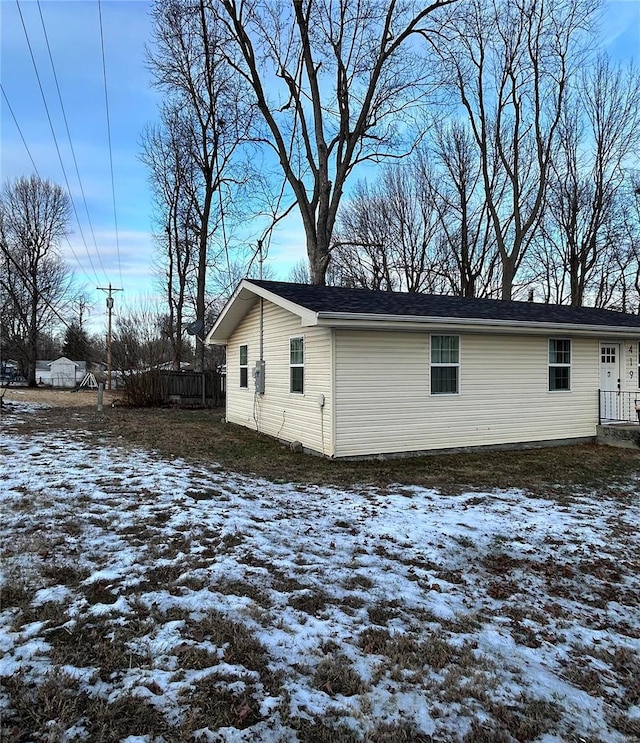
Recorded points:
319,258
508,275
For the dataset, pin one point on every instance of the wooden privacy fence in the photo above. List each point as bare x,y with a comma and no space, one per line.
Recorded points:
190,389
186,388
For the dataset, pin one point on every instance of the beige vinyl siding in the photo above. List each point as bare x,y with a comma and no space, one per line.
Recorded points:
383,405
288,416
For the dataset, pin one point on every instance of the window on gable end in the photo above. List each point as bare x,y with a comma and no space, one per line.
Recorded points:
296,365
244,366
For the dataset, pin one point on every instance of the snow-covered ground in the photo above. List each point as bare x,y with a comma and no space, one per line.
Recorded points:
148,600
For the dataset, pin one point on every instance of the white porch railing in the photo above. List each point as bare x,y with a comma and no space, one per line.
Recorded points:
619,407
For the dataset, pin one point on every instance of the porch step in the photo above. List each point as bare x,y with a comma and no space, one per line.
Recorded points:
625,435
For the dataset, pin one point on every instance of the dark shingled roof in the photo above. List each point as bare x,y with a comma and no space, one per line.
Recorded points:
368,302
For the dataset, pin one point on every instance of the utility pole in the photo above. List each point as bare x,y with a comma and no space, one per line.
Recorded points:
109,291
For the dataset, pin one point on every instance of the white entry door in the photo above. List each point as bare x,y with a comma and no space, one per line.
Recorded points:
610,380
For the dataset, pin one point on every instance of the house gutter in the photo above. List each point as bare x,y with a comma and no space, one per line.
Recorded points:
412,322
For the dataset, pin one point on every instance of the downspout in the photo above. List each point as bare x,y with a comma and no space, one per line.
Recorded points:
261,306
261,346
261,329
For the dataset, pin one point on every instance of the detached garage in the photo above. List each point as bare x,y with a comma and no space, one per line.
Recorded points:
353,372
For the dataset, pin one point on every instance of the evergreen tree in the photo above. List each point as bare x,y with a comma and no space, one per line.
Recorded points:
77,345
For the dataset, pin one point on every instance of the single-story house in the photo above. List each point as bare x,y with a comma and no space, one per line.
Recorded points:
62,372
354,372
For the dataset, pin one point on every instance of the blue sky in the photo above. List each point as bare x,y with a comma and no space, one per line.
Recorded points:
73,31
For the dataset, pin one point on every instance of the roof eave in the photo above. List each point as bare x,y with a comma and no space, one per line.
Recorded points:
412,322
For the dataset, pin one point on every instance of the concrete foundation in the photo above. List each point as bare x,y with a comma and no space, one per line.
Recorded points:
625,435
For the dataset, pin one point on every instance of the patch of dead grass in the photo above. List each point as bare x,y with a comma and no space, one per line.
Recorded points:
238,644
625,724
211,704
384,611
398,732
527,720
311,601
336,675
404,652
94,643
46,710
230,587
317,730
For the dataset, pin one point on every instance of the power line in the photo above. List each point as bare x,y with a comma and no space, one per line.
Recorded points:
55,140
35,167
106,102
24,141
73,153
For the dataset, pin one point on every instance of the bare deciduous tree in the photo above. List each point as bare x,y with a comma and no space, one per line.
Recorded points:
629,296
422,227
389,235
510,62
463,214
166,153
138,339
35,281
599,140
362,251
189,64
336,84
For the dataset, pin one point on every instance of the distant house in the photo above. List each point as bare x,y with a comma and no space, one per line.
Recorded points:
62,372
8,371
352,372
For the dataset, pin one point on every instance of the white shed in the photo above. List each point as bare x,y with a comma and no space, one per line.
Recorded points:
64,372
353,372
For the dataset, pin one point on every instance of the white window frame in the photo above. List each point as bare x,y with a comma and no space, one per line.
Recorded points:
244,367
559,365
441,365
296,365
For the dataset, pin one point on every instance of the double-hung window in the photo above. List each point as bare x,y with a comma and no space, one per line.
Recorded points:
445,364
559,364
244,366
296,364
